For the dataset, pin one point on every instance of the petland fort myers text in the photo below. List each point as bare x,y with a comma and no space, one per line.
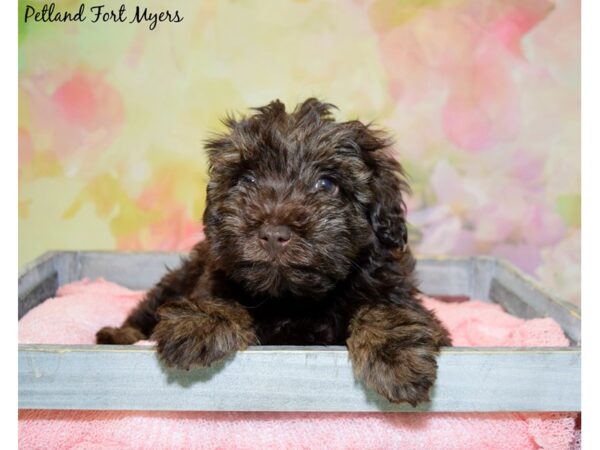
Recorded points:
101,13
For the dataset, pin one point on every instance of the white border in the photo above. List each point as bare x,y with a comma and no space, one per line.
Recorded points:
590,220
9,223
590,223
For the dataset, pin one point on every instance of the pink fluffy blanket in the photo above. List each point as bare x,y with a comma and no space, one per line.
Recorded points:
81,308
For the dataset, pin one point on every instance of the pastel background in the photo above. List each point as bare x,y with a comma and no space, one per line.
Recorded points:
482,96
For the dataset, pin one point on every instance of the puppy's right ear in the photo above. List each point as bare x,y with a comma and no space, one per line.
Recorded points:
223,166
223,155
243,138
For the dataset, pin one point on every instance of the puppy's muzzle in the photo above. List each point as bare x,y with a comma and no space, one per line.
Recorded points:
274,237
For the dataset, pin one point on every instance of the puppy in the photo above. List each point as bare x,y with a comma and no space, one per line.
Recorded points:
306,244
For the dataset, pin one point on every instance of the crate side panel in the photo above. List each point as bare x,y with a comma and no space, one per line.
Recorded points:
40,279
36,272
37,282
132,270
522,297
267,379
44,289
484,270
143,270
445,276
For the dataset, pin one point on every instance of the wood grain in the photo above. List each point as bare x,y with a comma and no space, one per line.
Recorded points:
290,379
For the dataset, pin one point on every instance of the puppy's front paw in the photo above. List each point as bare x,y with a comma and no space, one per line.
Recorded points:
398,374
394,350
189,334
121,335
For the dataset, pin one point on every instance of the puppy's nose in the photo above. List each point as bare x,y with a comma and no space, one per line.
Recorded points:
275,236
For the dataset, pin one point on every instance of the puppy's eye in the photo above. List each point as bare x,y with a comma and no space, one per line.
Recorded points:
326,185
248,178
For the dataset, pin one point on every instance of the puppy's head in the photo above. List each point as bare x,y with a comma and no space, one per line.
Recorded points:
295,198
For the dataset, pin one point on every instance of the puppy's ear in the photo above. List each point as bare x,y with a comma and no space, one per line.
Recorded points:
387,211
313,112
243,136
221,149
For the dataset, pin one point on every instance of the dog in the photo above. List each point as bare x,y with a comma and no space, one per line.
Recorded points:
306,244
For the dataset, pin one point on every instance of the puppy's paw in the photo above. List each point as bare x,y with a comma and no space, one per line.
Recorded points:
394,350
188,334
399,375
119,336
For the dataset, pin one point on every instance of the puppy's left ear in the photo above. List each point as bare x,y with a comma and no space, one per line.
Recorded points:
388,211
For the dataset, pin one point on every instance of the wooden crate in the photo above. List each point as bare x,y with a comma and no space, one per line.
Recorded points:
275,378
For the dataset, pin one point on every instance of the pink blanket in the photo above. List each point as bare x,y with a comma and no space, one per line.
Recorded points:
81,308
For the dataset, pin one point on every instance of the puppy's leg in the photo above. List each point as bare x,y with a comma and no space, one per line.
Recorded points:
142,320
200,331
393,350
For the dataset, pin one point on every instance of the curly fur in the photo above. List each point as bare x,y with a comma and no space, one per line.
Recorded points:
342,274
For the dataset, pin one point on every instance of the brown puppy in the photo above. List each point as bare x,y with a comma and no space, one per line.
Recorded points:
305,245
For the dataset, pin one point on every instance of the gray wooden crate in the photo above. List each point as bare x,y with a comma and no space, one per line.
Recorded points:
274,378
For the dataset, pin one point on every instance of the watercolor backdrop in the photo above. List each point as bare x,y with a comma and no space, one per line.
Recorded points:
482,96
